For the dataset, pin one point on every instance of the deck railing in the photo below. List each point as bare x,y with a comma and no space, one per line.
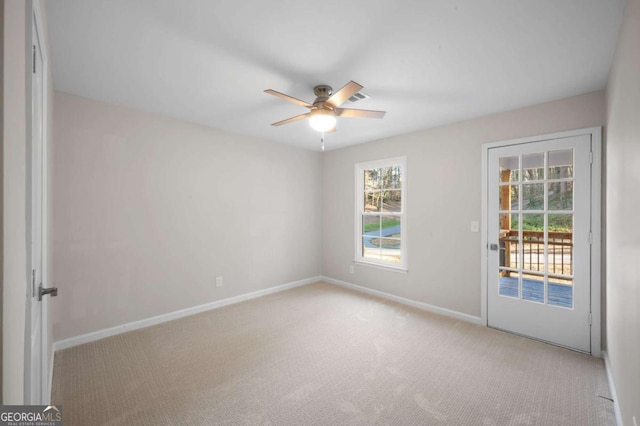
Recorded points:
559,253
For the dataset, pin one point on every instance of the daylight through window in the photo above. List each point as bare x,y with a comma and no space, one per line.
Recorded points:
381,212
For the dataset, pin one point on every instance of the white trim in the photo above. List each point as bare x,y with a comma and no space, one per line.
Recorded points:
136,325
542,138
596,245
379,266
612,388
28,350
596,255
420,305
484,242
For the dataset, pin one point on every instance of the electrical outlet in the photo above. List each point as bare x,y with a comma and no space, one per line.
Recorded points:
475,226
218,281
352,269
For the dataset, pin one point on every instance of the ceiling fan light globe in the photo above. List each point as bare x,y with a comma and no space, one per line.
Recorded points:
322,120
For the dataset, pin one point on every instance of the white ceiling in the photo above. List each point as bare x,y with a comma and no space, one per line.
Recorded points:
426,63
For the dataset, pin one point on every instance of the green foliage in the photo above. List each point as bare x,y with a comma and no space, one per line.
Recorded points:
385,224
533,199
535,222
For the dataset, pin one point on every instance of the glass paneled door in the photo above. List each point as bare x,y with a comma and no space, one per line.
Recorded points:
539,224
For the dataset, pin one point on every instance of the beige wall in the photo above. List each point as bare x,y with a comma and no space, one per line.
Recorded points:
623,210
149,210
443,197
14,163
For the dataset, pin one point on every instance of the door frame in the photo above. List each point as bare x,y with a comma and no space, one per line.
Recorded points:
596,224
35,23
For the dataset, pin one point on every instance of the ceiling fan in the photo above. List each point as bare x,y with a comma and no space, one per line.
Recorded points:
326,108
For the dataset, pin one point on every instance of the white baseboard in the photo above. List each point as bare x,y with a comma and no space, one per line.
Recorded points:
108,332
612,387
420,305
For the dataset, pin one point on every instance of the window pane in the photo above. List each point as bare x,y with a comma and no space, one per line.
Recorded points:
533,166
508,197
508,284
560,248
561,292
561,222
371,225
560,253
508,242
561,164
390,249
561,195
371,247
392,200
532,222
372,201
390,226
508,169
508,221
533,288
533,196
533,242
371,179
391,177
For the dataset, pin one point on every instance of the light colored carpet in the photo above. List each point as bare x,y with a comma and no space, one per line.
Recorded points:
323,355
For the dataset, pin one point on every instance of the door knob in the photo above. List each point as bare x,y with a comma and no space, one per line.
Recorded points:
51,291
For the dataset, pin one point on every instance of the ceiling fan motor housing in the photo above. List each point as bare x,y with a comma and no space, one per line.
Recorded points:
322,92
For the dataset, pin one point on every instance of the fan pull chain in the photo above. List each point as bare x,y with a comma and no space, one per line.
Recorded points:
322,141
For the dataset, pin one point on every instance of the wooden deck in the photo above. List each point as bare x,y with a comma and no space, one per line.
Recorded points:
533,290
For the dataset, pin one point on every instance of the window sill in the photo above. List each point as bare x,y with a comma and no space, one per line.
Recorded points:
400,269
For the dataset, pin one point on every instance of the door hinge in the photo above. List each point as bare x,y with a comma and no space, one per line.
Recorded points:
34,59
33,283
590,318
590,237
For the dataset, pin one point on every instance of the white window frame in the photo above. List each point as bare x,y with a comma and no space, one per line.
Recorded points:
359,211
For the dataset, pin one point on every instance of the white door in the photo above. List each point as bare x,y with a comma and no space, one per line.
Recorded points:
539,230
36,390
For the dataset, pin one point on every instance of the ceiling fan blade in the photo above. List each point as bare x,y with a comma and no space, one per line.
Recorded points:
288,98
331,130
343,94
359,113
292,119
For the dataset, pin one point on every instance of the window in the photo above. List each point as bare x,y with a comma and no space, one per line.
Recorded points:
381,213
